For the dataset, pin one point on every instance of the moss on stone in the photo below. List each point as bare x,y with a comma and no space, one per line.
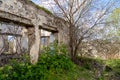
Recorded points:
42,8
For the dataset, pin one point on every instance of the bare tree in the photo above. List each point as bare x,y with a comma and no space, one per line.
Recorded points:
84,18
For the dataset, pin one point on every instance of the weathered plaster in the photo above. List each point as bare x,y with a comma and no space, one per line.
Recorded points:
27,14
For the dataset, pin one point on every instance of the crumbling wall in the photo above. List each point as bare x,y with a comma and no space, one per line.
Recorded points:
13,38
63,28
27,13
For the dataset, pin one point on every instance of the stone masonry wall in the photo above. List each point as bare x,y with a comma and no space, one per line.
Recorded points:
26,12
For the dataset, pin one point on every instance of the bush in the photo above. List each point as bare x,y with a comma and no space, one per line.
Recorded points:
114,64
52,65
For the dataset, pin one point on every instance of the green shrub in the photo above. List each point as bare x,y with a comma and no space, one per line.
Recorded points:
53,64
114,64
90,63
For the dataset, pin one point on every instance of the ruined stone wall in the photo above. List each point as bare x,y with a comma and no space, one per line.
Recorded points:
29,15
29,10
26,9
13,38
18,7
63,28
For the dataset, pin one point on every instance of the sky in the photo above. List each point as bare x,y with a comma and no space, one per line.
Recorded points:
36,1
47,3
44,3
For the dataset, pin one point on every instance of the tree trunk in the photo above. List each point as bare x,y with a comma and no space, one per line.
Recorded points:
71,42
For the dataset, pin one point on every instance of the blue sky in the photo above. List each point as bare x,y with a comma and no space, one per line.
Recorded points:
103,1
36,1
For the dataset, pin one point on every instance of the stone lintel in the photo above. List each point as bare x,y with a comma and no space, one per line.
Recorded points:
9,17
17,35
49,28
44,36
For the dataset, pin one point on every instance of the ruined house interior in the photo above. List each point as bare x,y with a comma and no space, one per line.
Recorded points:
13,38
17,27
26,28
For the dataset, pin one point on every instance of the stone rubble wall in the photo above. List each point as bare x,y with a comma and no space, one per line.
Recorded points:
30,11
33,18
26,9
13,38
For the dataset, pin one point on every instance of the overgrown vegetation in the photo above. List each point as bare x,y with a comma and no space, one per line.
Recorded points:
55,64
114,64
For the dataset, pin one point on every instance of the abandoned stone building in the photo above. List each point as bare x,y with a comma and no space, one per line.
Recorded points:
26,27
22,27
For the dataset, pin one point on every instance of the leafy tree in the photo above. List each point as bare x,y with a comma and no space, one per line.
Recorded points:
114,18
